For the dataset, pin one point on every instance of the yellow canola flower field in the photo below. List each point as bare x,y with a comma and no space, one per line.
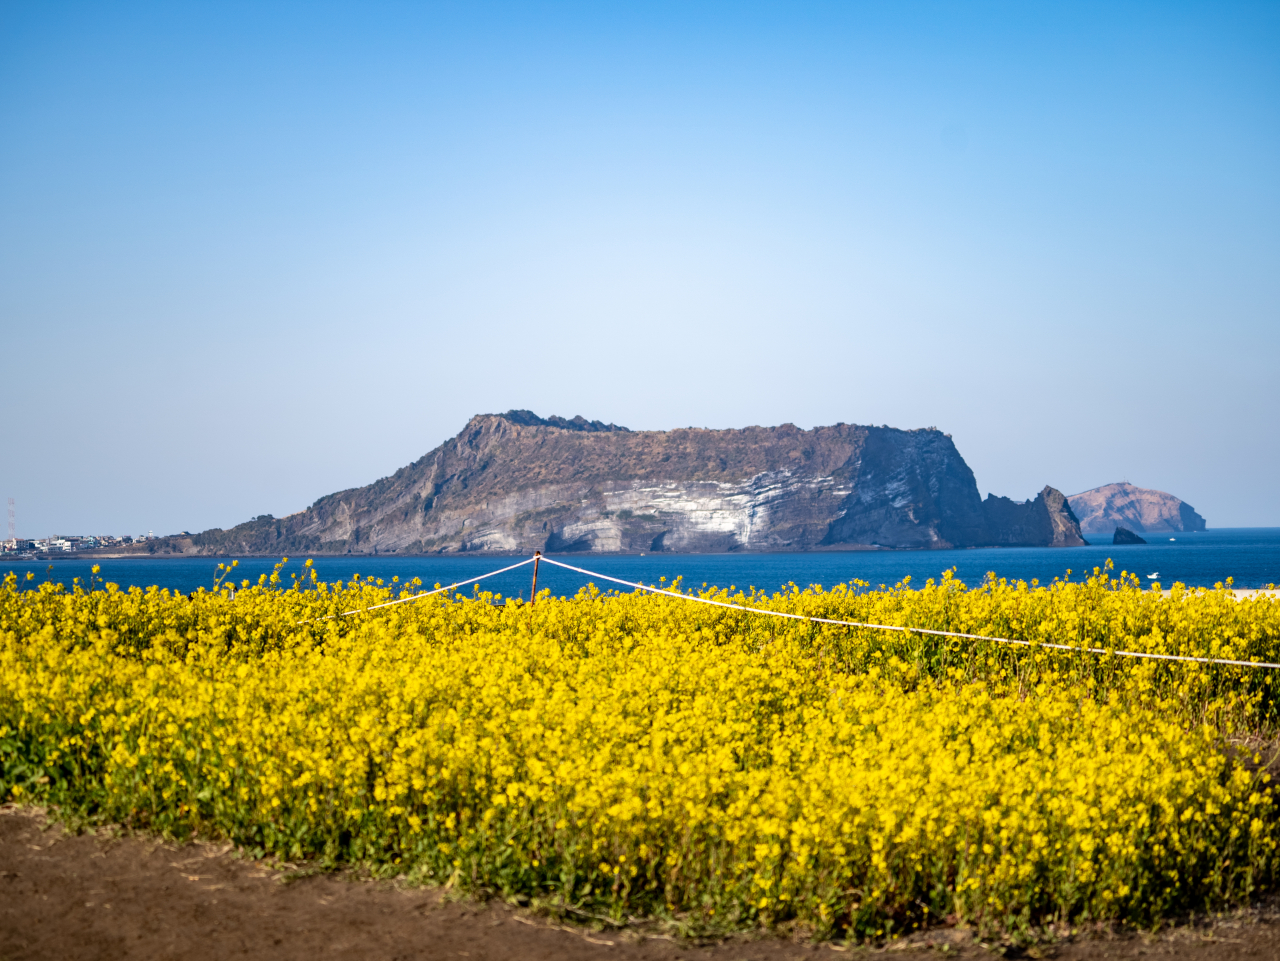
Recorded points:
647,756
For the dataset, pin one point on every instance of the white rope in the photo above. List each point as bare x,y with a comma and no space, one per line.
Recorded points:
909,630
418,597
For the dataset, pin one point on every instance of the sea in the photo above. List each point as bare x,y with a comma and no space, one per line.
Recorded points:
1249,556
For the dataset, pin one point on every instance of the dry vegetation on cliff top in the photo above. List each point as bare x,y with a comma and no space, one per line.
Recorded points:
642,757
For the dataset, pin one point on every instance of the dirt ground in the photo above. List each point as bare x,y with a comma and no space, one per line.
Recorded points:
100,897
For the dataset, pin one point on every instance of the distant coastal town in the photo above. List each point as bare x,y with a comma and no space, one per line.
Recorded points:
68,543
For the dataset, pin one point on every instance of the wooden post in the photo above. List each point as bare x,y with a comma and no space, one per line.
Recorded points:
533,594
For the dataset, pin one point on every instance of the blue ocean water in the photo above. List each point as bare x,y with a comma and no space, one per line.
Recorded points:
1249,555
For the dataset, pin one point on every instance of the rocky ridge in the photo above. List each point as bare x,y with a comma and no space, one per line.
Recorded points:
517,482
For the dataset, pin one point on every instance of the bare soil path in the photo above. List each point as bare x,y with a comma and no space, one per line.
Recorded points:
96,897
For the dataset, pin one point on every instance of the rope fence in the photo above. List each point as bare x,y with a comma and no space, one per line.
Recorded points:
815,620
418,597
911,630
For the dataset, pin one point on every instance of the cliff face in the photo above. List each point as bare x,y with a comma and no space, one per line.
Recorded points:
1046,521
1139,509
517,482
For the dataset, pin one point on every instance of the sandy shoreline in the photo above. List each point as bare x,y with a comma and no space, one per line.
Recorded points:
1241,594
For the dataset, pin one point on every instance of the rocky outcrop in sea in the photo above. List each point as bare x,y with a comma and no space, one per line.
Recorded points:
517,482
1125,536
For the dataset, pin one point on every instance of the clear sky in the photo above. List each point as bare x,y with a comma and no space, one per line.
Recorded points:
254,253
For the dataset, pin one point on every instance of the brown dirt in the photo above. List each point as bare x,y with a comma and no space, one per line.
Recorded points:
69,897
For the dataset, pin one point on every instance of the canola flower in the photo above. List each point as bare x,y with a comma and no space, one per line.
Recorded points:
641,755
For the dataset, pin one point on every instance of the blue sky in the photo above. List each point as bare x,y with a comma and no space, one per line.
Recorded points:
251,254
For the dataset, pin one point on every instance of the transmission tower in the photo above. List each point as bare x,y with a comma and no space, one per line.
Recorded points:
13,527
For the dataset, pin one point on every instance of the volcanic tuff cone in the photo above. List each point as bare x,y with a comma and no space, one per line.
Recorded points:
518,482
1138,509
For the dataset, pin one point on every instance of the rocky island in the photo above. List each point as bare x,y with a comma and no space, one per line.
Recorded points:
517,482
1137,509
